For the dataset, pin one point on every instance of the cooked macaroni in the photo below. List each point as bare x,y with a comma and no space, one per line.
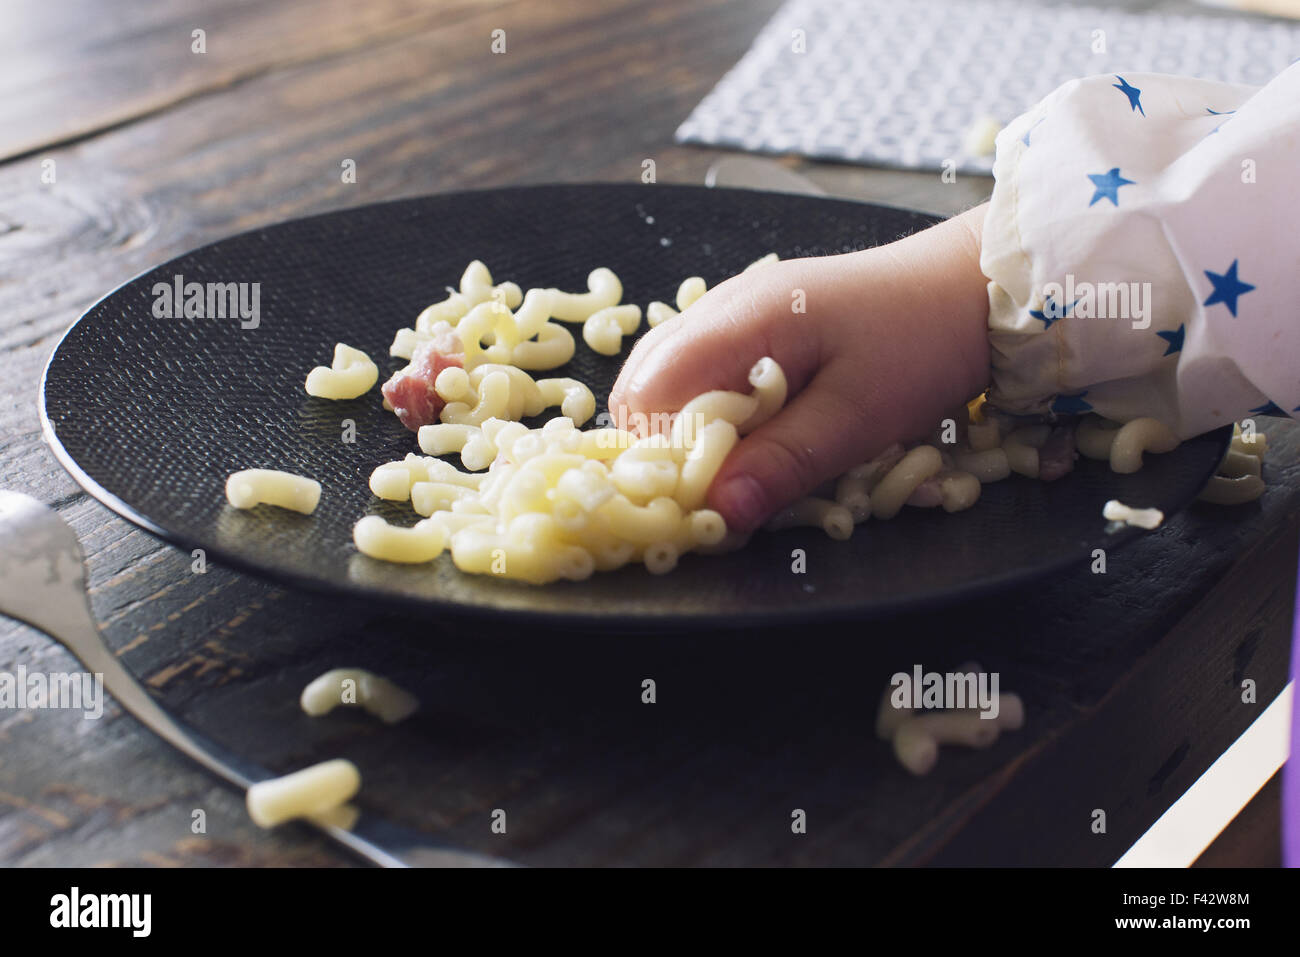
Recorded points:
897,486
603,289
317,790
351,374
352,686
689,292
658,312
540,504
253,487
1117,511
1239,477
605,329
917,735
1136,437
556,502
834,519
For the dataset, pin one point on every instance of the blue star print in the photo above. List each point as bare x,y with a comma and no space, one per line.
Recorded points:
1175,340
1051,312
1218,113
1227,287
1108,185
1071,404
1132,92
1025,139
1269,408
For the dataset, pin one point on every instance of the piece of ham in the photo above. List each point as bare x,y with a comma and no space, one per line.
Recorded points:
410,390
1056,457
928,494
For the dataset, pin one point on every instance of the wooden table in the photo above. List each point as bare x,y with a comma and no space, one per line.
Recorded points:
1131,679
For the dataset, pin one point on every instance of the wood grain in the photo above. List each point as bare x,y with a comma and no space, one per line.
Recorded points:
79,73
157,152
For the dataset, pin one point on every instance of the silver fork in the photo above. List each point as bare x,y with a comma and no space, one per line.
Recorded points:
43,582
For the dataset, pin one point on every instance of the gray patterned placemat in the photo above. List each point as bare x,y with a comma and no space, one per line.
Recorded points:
902,84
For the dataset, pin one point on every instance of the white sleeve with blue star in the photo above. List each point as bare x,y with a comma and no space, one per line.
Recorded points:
1141,251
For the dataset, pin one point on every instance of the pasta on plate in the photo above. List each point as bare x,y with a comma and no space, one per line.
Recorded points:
560,502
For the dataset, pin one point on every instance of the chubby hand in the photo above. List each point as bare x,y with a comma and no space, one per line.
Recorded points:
891,338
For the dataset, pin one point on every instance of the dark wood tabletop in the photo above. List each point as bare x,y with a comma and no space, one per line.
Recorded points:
120,147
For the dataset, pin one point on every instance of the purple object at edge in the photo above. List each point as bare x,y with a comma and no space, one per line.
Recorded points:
1291,774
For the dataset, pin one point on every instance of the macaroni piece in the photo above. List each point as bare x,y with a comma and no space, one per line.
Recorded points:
1256,444
1022,446
253,487
449,310
1222,490
646,470
917,739
714,441
959,490
575,400
430,497
423,542
405,343
444,439
350,375
770,389
1136,437
897,486
1237,464
834,519
917,735
352,686
604,329
464,394
553,347
1239,477
534,313
476,286
990,465
488,319
689,292
853,492
1148,518
658,312
312,791
393,480
491,402
604,289
1095,436
732,407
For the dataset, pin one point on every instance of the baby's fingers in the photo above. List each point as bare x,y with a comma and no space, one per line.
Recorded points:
815,437
715,343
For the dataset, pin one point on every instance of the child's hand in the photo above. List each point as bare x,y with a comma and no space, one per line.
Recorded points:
892,338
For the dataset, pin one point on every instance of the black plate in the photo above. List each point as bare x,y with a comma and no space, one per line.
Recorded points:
150,415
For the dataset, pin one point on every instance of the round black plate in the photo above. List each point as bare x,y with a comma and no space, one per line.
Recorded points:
151,414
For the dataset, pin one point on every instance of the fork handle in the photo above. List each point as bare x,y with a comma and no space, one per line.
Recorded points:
91,651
